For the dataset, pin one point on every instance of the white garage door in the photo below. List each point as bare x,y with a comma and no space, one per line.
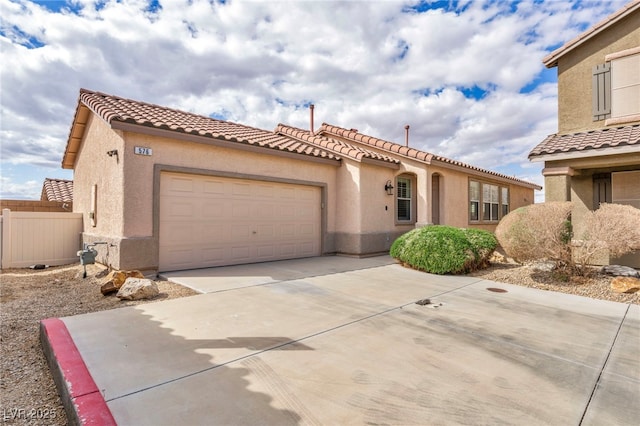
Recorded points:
212,221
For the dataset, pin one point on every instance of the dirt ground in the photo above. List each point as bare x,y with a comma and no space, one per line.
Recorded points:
27,392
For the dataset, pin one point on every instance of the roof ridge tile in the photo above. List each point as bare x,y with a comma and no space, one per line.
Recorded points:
407,151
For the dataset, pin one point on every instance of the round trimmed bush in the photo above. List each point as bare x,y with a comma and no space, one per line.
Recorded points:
440,249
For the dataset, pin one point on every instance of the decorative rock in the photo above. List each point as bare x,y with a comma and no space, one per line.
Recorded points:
543,266
138,288
620,271
625,284
115,280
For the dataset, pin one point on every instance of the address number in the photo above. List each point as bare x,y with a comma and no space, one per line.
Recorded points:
140,150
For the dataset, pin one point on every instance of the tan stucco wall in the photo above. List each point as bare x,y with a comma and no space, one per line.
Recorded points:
138,172
358,215
94,166
575,71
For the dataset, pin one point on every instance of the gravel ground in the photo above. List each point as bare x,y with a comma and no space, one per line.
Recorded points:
27,392
596,286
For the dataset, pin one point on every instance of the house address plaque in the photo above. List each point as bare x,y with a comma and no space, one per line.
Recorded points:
140,150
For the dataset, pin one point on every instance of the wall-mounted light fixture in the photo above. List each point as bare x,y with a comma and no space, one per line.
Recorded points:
388,187
112,153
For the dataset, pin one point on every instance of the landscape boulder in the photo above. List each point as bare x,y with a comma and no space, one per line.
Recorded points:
625,284
115,279
138,288
620,271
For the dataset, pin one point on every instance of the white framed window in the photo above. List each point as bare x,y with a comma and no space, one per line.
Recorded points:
488,202
504,200
474,201
404,204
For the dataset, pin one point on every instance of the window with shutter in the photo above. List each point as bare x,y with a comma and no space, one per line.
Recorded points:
601,91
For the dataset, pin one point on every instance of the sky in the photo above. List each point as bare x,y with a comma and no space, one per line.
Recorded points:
467,76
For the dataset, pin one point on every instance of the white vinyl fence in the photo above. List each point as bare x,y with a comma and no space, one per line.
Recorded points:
30,238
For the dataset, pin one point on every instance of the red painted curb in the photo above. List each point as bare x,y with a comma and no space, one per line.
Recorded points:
89,406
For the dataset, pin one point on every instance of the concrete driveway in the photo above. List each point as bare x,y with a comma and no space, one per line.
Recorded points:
336,340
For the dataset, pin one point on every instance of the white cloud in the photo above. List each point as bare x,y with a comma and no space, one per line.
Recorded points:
367,65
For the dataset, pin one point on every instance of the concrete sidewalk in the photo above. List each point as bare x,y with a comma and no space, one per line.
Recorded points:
336,340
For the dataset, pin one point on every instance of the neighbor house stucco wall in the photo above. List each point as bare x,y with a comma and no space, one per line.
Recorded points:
575,73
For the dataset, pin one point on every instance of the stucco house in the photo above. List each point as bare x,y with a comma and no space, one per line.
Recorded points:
171,190
595,156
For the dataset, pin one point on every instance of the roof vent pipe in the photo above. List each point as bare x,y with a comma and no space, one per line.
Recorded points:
311,107
406,135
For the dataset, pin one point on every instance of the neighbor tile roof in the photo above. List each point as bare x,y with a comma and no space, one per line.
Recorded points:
60,190
114,110
551,60
595,139
426,157
344,148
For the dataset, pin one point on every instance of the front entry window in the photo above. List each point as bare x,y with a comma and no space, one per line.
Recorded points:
403,210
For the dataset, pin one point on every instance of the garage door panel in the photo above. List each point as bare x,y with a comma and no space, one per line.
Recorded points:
213,187
241,189
307,248
176,232
178,257
181,209
212,232
265,251
212,221
306,230
212,254
265,231
241,252
241,209
212,209
180,184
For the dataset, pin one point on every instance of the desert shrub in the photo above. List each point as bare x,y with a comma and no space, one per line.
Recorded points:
538,231
444,249
613,227
543,231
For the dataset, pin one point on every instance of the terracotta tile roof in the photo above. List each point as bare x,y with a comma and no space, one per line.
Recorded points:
341,147
595,139
116,110
426,157
57,190
551,60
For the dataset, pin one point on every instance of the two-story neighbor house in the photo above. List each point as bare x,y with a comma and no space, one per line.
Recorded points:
170,190
595,156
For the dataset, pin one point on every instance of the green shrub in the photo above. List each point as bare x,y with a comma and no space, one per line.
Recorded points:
444,249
